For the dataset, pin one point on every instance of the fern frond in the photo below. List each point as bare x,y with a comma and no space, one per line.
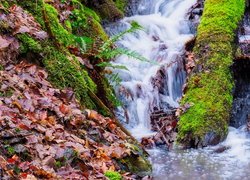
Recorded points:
134,27
108,64
84,42
113,53
115,78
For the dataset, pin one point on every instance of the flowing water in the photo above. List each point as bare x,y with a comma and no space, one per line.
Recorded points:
158,85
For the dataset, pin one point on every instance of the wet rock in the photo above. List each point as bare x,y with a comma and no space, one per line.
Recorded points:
132,7
241,110
248,122
221,149
162,47
211,138
159,81
148,142
107,9
155,38
195,13
138,165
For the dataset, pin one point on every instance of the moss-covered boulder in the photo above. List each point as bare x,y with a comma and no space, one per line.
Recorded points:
210,85
137,162
108,9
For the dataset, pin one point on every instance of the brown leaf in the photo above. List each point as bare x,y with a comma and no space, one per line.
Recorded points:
64,109
4,43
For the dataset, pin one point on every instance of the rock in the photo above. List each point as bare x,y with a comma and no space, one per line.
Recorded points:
248,122
221,149
107,9
148,142
137,165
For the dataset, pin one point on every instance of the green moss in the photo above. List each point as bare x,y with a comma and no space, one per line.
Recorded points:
85,22
58,164
4,27
56,28
6,93
86,12
65,71
10,150
112,175
109,11
68,26
137,165
4,3
210,90
29,44
121,4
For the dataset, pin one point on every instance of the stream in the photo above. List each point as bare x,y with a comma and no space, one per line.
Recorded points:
147,86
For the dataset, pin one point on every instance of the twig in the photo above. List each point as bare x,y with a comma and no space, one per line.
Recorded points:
164,137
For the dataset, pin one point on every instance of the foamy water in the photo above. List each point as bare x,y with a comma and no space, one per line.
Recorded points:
162,40
233,163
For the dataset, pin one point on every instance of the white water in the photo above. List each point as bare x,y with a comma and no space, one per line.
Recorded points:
165,32
162,41
232,164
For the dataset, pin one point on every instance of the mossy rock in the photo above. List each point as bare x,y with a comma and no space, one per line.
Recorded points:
121,5
211,84
56,28
138,165
29,44
136,162
107,9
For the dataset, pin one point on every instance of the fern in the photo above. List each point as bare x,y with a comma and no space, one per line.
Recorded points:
106,51
108,64
115,79
83,42
113,53
134,27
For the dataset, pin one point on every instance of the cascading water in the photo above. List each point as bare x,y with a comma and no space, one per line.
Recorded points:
147,86
155,84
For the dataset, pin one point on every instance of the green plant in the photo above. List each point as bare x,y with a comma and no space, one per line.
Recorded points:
10,150
112,175
58,164
78,18
18,130
83,42
107,52
29,44
16,170
121,4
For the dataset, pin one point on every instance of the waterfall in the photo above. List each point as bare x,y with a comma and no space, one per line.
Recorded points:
157,84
